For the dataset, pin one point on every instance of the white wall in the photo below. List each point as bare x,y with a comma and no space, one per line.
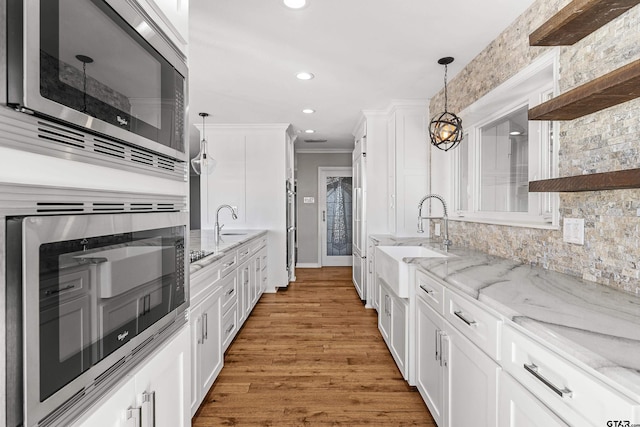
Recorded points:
307,186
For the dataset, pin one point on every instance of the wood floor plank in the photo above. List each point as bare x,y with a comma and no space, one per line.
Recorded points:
311,356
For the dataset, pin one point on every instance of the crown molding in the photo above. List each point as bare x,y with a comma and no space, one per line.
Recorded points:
324,150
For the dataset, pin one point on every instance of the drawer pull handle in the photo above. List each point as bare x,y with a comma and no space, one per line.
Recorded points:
230,328
57,291
460,316
562,392
428,291
245,253
229,264
230,291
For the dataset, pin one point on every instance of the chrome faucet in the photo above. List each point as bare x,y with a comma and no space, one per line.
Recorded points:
217,227
445,217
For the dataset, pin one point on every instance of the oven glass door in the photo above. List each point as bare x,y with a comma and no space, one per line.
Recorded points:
95,63
98,292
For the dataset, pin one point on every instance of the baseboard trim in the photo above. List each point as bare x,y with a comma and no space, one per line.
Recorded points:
307,265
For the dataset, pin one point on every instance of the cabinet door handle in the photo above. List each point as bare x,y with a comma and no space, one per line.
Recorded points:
230,292
199,329
444,349
534,370
324,218
133,417
461,316
437,335
205,326
149,408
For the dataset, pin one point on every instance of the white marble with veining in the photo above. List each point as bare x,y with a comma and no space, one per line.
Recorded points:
202,240
596,325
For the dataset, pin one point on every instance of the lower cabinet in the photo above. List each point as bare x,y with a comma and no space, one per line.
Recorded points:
393,319
472,382
155,395
457,380
519,408
430,372
206,346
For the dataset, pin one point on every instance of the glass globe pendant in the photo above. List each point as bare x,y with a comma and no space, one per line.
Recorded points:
202,164
445,129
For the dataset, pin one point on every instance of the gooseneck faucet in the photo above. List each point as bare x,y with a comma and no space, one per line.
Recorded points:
445,217
217,227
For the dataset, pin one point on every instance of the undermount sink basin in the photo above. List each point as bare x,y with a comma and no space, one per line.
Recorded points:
394,271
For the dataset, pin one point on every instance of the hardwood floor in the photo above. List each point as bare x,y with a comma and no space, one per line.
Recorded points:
311,356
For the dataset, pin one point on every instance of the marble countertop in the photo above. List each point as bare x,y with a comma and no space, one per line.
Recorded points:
595,324
202,240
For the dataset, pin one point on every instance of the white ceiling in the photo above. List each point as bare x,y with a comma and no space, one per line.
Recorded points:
244,54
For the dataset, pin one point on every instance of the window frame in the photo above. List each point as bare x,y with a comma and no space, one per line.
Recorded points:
531,86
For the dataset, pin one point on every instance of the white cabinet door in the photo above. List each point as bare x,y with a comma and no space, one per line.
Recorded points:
429,370
165,379
210,349
244,294
195,316
471,382
519,408
384,315
113,412
399,329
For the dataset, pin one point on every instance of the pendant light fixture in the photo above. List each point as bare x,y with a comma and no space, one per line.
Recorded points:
202,164
445,129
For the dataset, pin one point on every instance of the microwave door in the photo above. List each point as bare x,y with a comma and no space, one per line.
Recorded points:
131,88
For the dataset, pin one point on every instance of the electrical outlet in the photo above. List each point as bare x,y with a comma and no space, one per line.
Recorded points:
573,230
437,230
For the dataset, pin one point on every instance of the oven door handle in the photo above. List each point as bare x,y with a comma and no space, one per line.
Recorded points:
92,260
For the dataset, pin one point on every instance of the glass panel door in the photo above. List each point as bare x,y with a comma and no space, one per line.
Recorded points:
336,216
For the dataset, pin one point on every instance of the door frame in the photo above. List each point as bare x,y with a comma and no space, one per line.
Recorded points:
322,171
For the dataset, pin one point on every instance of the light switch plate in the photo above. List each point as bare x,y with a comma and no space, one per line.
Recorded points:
573,230
309,200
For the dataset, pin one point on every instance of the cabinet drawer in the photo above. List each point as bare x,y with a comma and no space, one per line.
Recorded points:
430,291
565,388
229,292
229,326
228,263
480,326
243,254
258,244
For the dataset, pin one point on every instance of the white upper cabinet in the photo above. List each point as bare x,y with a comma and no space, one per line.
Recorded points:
172,16
251,174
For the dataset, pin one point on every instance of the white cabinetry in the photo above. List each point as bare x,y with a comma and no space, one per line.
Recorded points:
393,322
408,162
251,174
457,380
206,346
573,394
155,394
172,16
519,408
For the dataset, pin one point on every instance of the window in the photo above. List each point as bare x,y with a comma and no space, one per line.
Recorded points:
502,151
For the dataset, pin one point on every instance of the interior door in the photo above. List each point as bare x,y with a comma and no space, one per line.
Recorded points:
335,188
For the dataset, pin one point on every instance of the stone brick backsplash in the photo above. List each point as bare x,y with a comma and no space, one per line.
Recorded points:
604,141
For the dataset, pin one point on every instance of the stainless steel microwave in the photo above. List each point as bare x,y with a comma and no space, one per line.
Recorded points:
97,65
90,295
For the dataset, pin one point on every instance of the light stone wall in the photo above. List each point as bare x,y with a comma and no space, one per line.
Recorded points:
605,141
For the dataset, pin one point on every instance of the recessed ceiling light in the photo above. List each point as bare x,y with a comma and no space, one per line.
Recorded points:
515,133
304,75
295,4
309,131
308,111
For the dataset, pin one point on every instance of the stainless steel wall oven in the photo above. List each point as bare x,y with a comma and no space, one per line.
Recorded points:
89,294
97,65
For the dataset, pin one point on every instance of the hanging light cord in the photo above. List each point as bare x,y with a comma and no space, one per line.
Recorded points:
445,87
